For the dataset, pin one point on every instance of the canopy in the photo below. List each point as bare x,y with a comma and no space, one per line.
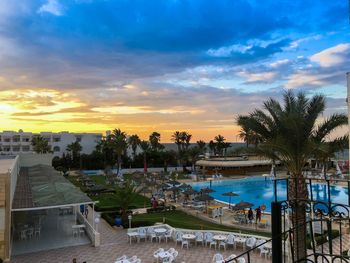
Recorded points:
41,186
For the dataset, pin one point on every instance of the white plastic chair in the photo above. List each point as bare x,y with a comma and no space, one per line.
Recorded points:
184,243
152,235
222,244
142,233
218,258
199,238
168,235
241,260
250,243
231,241
168,259
264,251
208,238
178,237
156,253
175,254
121,258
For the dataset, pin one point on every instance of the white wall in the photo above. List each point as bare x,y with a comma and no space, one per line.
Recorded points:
31,159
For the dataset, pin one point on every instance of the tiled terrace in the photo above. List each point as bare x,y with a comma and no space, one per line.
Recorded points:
114,243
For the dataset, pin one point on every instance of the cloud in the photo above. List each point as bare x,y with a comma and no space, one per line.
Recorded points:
332,56
52,7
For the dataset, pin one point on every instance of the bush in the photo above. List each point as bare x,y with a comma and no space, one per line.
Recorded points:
321,238
160,209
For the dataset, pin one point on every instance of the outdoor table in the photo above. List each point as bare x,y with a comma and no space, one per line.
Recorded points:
163,255
241,240
219,238
122,261
188,237
132,235
160,232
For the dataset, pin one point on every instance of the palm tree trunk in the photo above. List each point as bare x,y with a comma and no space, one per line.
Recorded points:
145,163
297,194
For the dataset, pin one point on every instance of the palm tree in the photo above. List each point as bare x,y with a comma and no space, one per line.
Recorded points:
220,143
202,146
40,145
134,141
74,149
289,134
154,140
176,138
212,147
145,148
119,141
125,195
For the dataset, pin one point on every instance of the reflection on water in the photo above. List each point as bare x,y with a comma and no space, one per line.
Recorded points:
259,190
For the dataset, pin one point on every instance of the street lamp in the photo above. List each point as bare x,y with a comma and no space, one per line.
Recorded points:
129,217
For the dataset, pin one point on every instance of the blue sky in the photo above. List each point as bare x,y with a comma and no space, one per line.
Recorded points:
165,65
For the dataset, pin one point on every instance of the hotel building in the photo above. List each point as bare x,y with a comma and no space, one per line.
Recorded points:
12,143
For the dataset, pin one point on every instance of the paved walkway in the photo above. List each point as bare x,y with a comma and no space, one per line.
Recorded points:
114,244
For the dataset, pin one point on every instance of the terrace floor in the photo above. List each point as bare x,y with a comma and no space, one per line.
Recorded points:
114,243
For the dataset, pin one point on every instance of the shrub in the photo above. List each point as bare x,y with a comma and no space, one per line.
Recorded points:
160,209
321,238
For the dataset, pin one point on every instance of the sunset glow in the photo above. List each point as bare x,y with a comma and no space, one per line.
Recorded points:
144,66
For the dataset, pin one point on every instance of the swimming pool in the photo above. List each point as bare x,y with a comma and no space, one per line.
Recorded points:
259,191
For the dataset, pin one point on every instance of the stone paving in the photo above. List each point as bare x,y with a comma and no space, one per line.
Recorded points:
114,243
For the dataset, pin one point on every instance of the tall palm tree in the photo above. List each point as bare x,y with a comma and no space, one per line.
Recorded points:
134,141
74,149
291,135
202,146
176,138
154,140
119,141
40,144
220,143
145,148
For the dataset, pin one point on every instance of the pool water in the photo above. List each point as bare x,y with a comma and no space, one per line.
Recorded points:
260,191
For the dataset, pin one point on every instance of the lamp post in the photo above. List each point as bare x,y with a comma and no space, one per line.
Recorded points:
97,221
129,217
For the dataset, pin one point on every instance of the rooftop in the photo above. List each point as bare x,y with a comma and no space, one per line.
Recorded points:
41,186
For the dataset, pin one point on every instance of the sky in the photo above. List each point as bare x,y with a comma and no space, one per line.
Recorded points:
165,65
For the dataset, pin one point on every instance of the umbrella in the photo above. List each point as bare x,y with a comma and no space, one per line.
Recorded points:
190,192
185,186
204,198
207,190
173,182
230,194
242,205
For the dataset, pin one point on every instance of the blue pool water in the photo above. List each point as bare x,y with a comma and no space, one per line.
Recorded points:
259,191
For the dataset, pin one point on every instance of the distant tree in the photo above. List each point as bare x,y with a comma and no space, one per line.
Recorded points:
154,140
202,146
145,148
134,141
40,145
119,142
220,143
74,149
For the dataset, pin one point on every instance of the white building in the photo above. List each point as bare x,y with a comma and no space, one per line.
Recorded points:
12,142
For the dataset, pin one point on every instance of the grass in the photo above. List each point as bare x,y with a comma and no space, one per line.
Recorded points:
108,200
180,219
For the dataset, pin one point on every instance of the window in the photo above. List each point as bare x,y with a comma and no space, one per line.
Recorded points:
56,149
56,139
7,140
25,148
15,149
25,139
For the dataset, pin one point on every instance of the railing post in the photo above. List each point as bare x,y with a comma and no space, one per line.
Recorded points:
276,225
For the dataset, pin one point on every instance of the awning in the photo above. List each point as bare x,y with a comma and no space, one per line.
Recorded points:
42,187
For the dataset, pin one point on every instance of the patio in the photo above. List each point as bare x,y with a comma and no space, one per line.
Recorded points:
114,243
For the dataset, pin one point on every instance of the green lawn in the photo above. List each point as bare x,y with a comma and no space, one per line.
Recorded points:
180,219
109,199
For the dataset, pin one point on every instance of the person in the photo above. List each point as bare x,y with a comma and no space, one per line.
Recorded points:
250,214
82,207
258,214
74,260
86,211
